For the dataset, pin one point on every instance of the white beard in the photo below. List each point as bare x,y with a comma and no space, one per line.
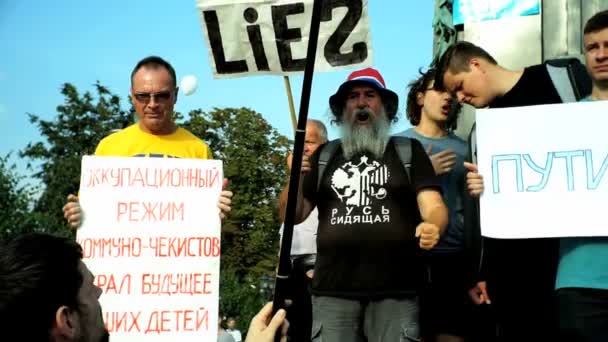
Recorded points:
369,138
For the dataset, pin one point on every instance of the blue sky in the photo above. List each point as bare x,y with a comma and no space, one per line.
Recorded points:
48,43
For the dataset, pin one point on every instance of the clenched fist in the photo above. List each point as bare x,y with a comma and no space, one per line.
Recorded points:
428,234
474,180
305,168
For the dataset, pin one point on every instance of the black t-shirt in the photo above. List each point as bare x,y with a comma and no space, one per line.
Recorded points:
366,245
533,88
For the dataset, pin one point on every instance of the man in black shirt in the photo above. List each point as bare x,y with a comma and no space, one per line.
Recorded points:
374,216
517,276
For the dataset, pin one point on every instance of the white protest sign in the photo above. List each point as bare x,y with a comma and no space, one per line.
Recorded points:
544,170
151,237
271,36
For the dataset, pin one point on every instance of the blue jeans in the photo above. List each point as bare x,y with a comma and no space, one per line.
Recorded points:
386,320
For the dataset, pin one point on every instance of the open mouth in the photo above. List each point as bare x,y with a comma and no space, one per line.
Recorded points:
445,109
362,117
448,106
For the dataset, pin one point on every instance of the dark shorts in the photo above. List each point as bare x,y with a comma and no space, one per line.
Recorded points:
349,320
445,306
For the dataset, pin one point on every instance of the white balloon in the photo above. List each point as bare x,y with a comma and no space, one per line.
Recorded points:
188,85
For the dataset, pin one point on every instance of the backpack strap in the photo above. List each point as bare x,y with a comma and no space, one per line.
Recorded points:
570,79
561,82
580,79
403,146
473,144
325,156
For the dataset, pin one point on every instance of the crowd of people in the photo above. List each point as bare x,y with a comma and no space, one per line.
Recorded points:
399,253
387,245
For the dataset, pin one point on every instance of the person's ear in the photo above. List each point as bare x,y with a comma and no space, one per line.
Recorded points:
420,99
176,92
477,63
66,323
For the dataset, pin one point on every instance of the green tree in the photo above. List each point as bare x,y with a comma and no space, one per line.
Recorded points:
253,154
81,122
239,298
14,201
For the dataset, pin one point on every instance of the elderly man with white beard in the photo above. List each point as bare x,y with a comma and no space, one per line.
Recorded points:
376,212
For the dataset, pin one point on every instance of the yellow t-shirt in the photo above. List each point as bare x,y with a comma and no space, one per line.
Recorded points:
133,142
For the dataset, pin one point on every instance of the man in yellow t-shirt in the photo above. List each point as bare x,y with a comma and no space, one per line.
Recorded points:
154,93
134,141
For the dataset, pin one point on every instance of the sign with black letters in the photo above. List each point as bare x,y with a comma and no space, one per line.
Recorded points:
248,37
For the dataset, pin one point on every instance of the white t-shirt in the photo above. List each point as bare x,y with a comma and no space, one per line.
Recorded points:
236,334
305,235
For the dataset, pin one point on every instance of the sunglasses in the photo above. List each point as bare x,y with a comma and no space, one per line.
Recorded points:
162,96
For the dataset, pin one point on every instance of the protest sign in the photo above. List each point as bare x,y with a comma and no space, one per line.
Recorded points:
544,170
151,237
271,36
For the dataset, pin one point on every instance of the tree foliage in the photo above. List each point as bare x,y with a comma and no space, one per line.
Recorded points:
253,154
81,122
14,201
239,298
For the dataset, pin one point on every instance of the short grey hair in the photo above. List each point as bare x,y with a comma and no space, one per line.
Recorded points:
321,128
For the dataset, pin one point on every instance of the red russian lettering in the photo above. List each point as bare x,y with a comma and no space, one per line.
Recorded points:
215,178
176,181
122,208
134,322
206,282
138,178
202,319
149,211
125,280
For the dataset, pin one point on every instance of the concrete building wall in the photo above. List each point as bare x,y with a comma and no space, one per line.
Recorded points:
521,41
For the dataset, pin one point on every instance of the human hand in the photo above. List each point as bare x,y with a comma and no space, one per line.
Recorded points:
263,329
474,180
225,200
443,162
73,212
305,168
428,234
479,294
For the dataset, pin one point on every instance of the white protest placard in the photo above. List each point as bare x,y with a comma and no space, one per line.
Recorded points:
151,237
544,170
248,37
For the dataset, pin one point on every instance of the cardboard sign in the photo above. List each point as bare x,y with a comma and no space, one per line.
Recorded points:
544,170
151,237
271,36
